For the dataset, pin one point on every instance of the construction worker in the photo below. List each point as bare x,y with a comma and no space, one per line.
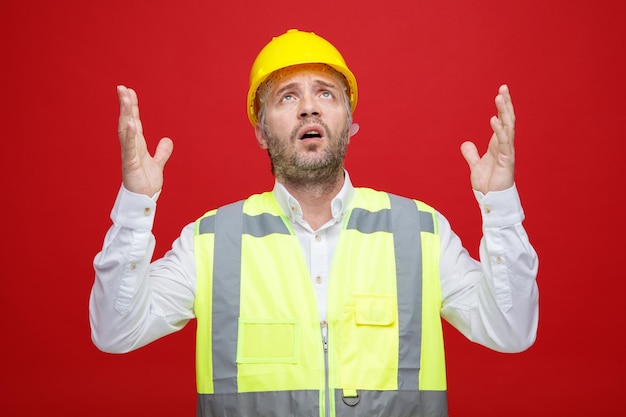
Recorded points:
316,298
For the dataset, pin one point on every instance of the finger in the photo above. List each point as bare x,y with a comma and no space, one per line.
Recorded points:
128,143
163,151
127,127
504,105
505,141
503,125
125,110
135,109
470,153
506,93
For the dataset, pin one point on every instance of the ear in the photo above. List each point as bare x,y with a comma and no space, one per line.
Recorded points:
354,129
260,136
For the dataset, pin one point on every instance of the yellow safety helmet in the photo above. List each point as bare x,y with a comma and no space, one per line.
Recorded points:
293,48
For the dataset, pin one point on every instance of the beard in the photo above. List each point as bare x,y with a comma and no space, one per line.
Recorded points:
306,167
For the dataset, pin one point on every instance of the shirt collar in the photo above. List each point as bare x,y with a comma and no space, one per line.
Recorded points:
339,205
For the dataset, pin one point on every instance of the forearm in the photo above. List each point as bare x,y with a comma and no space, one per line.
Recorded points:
134,302
494,302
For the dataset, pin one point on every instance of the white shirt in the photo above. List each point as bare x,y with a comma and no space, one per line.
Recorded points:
135,301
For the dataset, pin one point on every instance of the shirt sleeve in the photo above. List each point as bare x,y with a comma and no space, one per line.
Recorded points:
135,301
494,301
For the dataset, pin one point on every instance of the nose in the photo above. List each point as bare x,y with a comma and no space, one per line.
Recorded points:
308,107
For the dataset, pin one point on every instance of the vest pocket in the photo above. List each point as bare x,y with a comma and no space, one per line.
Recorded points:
367,344
267,341
375,310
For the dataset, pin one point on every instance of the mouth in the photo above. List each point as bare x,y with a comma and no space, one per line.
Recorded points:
311,132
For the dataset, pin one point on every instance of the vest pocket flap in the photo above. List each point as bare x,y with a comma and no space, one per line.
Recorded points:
267,341
375,310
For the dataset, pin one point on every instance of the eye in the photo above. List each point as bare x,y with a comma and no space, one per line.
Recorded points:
287,97
327,94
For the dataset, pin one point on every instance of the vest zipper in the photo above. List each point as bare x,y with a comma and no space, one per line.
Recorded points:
326,387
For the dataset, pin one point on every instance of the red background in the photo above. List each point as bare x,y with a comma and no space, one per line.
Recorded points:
427,72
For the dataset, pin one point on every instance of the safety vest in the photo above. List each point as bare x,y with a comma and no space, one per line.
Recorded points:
260,350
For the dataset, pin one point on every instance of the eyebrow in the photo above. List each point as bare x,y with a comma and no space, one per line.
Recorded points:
318,82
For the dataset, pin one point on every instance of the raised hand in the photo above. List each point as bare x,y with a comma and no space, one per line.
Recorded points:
141,173
494,171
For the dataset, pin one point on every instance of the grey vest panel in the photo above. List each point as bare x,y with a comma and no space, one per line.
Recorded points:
393,403
370,222
257,226
304,403
408,250
226,290
263,225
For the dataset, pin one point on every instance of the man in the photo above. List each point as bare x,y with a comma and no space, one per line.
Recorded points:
318,298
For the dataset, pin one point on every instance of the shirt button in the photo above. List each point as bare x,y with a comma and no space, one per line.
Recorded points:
318,238
132,266
318,279
487,209
147,211
499,259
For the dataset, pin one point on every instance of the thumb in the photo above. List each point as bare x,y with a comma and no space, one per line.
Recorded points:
163,151
470,153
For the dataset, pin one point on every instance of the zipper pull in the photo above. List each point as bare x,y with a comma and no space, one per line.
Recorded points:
325,343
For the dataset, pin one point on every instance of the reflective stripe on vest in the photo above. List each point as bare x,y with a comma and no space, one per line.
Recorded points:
219,237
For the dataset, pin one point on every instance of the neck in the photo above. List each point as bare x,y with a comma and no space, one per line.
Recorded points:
315,199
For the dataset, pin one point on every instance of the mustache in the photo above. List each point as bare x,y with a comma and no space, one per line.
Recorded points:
311,120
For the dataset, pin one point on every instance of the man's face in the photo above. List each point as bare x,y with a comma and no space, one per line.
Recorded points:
305,124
